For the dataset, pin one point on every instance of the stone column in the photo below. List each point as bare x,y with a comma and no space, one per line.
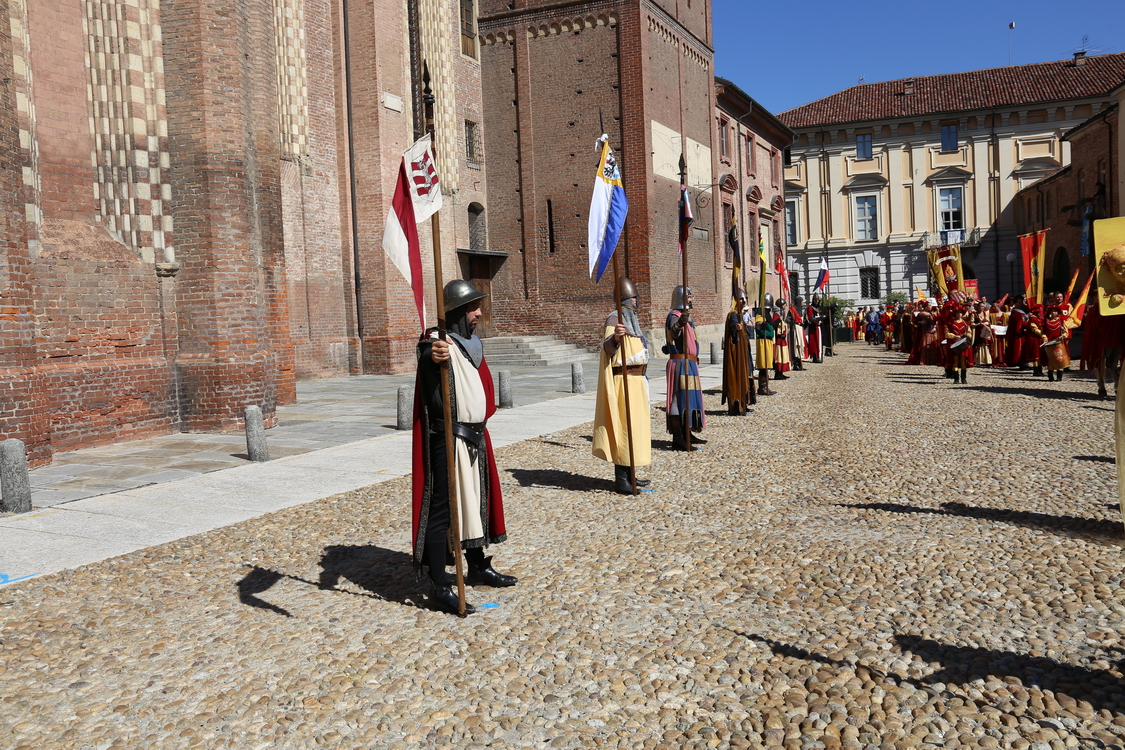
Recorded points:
234,348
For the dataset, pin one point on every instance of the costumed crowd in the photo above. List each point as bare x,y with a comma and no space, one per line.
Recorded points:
960,334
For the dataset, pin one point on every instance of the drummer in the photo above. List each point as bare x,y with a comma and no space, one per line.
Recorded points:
959,336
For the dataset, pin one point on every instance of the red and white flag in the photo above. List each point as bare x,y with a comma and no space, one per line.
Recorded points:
417,197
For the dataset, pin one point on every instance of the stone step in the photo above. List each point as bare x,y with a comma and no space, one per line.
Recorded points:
534,351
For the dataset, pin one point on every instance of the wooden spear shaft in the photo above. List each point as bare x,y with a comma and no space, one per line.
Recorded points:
447,411
624,378
685,415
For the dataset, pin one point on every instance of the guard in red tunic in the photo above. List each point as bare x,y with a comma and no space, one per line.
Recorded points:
1056,342
812,324
481,508
887,320
959,338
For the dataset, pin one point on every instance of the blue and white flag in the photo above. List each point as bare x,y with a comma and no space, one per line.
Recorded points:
608,208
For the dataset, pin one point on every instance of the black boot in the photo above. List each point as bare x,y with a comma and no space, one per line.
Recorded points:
1038,371
963,372
1058,375
779,375
621,483
764,383
949,374
445,598
481,572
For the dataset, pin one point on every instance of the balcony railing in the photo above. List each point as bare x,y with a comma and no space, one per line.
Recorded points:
969,237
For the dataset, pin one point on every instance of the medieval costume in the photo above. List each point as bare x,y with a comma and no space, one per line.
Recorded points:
614,432
796,335
982,336
1056,343
782,362
764,350
958,338
997,316
1033,336
1014,353
871,326
811,323
887,320
1103,343
472,403
684,395
906,329
738,393
926,350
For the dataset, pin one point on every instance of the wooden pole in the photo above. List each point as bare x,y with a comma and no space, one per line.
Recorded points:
447,412
624,378
685,417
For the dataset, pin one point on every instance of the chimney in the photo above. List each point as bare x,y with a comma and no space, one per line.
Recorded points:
1079,58
908,86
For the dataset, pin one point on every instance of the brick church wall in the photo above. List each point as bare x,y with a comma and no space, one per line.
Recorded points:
551,71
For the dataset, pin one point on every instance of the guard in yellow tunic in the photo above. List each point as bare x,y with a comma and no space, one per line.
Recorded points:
612,431
764,349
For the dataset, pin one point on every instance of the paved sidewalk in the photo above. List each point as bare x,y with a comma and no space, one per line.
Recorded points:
186,495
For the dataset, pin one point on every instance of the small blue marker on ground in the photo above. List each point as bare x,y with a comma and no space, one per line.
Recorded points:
5,579
647,490
490,605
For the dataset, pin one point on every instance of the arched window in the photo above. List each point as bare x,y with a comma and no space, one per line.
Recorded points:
478,238
1061,268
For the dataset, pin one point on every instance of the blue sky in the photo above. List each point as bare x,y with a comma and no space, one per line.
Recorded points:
788,54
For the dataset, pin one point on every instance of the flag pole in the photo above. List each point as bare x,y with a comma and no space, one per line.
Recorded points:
447,411
685,417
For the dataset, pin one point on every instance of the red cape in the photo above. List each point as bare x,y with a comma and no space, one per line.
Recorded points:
421,476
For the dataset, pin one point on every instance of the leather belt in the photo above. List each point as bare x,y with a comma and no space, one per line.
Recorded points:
632,369
692,357
470,432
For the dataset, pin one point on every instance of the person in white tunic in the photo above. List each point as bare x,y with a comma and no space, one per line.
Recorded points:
481,507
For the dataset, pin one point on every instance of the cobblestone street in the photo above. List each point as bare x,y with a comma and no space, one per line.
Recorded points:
874,557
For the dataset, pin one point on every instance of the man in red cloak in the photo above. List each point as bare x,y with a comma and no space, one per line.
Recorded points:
481,508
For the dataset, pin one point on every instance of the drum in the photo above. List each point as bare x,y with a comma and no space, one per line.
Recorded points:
1052,342
959,345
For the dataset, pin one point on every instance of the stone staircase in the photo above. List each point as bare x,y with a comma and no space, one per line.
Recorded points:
535,351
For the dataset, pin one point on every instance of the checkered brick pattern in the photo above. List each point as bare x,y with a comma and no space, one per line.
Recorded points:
438,25
126,93
292,86
21,54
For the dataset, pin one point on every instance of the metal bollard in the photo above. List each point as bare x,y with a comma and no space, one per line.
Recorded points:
405,410
256,434
505,389
714,352
577,382
15,481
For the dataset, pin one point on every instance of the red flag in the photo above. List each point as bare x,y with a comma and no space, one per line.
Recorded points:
417,197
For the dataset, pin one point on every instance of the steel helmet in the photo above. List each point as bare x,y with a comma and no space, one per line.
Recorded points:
459,293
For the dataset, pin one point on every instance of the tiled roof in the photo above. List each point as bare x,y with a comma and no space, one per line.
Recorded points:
1017,85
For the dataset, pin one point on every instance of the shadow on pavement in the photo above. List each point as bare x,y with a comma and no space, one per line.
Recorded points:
1100,459
561,479
257,581
1111,530
1036,392
959,665
386,574
383,574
